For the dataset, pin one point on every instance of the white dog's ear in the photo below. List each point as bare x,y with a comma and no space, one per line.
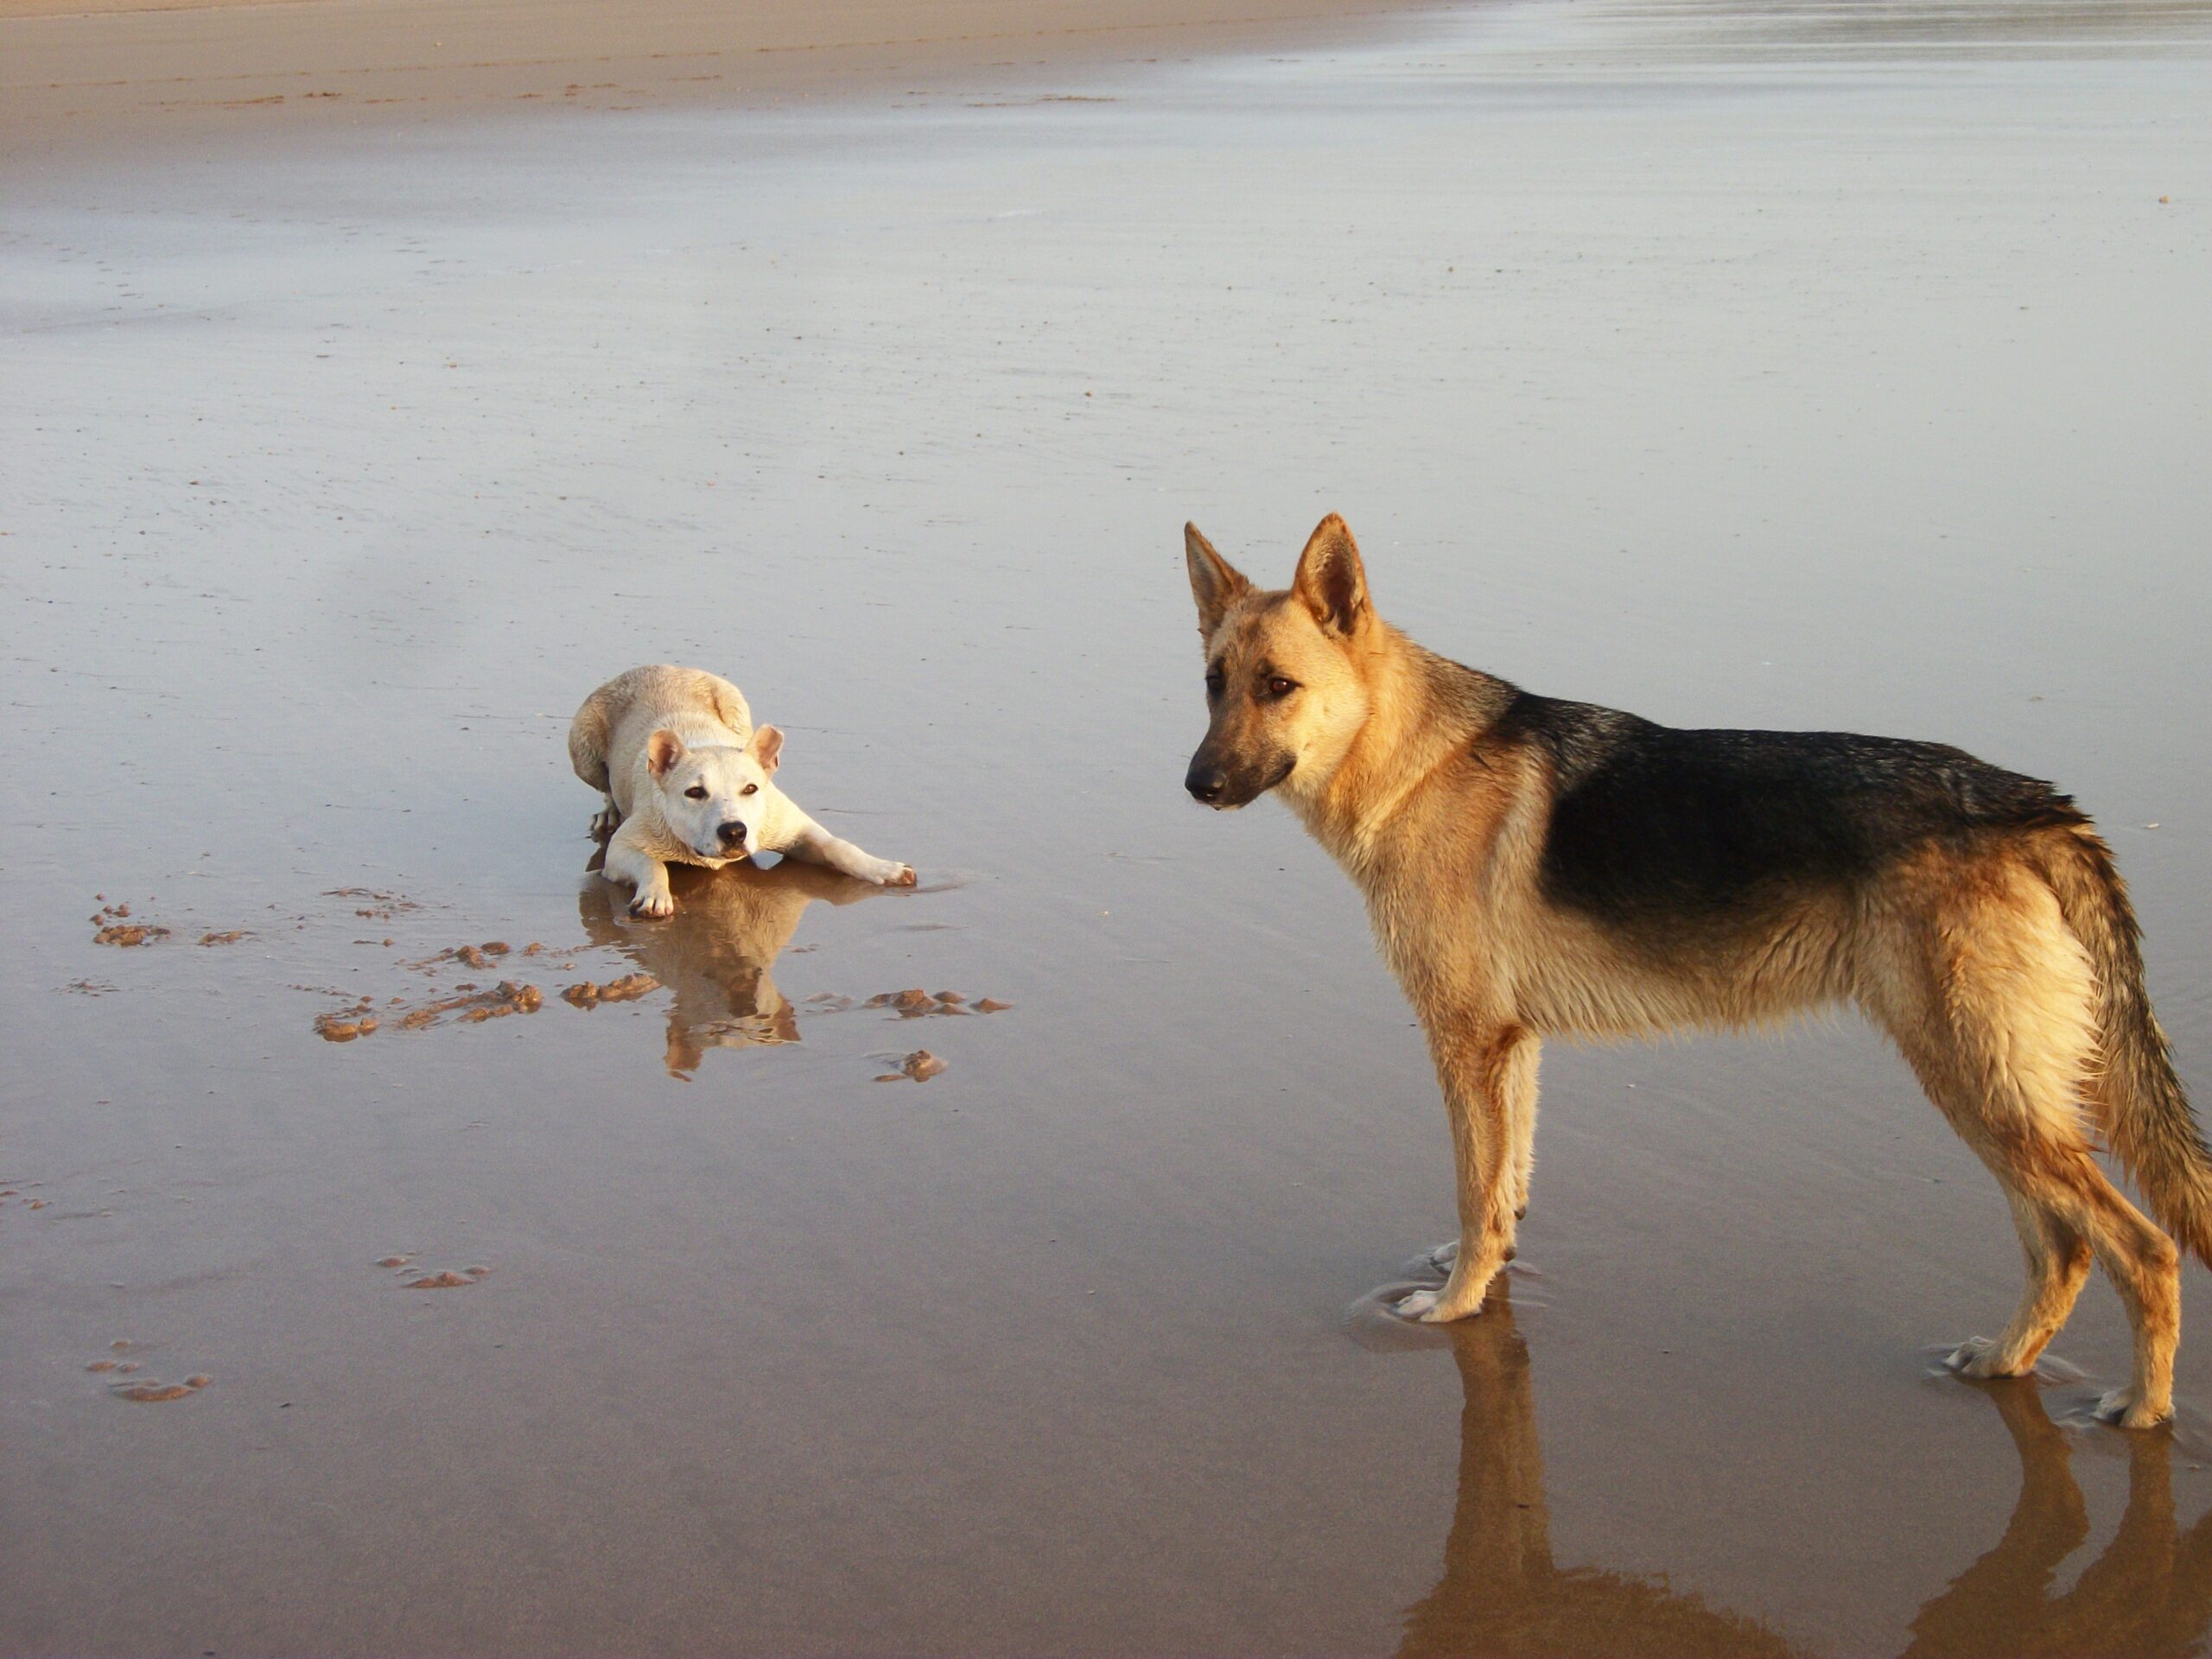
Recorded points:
767,748
663,750
1331,579
1215,583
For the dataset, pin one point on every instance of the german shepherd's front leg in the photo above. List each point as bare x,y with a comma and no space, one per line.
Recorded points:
1485,1070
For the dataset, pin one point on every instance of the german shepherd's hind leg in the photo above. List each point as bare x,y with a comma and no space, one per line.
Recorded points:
1993,999
2058,1257
1480,1068
2142,1262
2145,1266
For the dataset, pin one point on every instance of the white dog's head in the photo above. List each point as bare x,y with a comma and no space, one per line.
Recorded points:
714,798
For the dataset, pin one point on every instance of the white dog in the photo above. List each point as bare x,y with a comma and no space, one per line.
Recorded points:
688,780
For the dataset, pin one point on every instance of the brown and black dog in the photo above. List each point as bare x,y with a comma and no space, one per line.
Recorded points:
1537,867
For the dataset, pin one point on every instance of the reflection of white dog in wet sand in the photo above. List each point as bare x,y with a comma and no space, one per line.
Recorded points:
688,781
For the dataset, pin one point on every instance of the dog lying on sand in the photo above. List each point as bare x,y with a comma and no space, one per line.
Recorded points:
688,780
1535,868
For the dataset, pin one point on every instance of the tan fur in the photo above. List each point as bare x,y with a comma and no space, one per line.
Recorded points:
2005,970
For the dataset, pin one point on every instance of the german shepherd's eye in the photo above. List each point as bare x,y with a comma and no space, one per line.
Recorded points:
697,792
1279,688
1214,681
750,789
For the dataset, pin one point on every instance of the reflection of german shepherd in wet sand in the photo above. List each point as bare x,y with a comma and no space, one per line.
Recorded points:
715,953
2149,1592
1534,867
1501,1594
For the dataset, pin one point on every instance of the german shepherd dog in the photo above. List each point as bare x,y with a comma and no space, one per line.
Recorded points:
1534,867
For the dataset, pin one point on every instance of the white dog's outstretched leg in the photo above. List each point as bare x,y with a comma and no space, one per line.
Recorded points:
818,845
625,862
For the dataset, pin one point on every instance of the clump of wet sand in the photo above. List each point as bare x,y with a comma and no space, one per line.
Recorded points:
470,1005
114,927
919,1004
381,906
920,1066
144,1388
434,1278
628,988
153,1390
343,1024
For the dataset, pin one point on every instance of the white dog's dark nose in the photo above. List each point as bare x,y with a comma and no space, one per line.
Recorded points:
732,834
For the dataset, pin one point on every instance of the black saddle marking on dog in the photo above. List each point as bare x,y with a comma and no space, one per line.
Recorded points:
1650,822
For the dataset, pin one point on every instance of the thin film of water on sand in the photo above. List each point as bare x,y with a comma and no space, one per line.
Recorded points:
1735,367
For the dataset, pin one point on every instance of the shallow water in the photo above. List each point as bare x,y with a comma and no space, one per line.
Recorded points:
1796,367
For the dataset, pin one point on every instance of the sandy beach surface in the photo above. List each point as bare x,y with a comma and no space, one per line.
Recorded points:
1755,364
109,74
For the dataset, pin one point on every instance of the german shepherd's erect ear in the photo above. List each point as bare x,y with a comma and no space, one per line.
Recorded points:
1331,582
1215,583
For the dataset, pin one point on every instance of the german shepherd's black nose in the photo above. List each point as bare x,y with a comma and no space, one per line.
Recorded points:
1205,783
733,833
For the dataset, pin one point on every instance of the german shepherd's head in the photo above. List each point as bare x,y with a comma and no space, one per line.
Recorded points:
1285,676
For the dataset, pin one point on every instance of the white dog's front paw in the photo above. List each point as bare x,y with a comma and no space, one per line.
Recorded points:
661,903
889,873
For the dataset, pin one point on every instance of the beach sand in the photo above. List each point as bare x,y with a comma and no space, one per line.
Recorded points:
1740,366
109,74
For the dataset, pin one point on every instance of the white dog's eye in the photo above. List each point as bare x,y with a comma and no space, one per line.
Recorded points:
698,791
750,789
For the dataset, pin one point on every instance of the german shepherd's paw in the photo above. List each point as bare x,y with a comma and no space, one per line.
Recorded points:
1418,1305
2122,1410
1980,1356
1429,1307
1440,1259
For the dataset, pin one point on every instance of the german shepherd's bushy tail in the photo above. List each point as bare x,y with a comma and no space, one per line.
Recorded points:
2140,1105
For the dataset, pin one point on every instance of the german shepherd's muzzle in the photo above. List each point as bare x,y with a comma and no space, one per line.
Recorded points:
1224,780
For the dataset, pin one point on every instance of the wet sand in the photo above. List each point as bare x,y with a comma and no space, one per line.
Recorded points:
78,75
1770,367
